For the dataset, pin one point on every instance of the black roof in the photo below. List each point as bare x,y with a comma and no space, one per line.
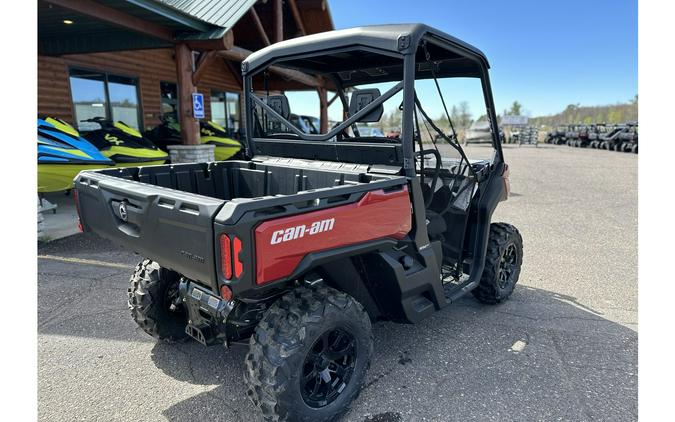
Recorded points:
348,53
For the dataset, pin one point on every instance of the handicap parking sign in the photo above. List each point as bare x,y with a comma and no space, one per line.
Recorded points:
198,105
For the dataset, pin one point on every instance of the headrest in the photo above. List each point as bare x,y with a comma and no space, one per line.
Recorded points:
279,103
360,99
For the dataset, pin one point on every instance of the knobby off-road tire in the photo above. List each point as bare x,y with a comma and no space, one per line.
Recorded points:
502,264
285,350
152,290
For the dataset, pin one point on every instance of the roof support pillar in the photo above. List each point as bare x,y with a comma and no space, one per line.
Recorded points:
202,63
189,126
278,14
323,109
296,16
259,26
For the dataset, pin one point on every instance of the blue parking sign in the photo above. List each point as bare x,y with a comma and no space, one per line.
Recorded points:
198,105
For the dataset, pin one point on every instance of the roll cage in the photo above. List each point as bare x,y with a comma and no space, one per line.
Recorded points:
366,55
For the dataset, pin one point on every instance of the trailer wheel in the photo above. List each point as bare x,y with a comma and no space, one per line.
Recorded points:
152,300
502,264
309,355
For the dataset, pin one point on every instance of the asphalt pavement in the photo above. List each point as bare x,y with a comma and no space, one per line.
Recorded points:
563,348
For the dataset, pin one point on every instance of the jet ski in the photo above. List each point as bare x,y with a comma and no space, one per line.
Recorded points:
62,154
213,133
165,134
124,145
168,133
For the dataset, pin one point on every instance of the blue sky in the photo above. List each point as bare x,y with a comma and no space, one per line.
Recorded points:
545,54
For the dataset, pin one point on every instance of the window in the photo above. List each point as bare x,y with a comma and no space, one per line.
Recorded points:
225,110
98,94
168,107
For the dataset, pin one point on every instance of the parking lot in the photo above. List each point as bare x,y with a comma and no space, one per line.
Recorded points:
563,348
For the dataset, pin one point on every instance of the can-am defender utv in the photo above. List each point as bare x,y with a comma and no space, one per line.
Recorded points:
299,247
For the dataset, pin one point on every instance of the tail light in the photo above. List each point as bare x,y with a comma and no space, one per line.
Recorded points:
226,256
229,253
238,266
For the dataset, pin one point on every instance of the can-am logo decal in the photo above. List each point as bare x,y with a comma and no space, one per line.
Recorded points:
297,232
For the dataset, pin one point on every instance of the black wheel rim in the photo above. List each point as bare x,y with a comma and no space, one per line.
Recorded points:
328,368
508,266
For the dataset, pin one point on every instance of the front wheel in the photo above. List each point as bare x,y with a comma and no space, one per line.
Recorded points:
309,355
503,260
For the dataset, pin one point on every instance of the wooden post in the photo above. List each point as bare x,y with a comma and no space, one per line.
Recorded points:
323,107
189,126
258,24
202,64
278,20
297,17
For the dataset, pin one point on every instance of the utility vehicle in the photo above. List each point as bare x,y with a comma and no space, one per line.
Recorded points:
611,137
297,248
557,135
529,136
628,139
572,135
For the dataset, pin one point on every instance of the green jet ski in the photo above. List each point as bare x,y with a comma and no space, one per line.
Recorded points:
124,145
62,154
168,133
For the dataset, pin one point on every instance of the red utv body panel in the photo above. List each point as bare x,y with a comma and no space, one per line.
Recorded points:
283,242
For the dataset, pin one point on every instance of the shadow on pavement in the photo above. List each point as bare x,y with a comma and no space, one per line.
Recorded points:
573,365
539,356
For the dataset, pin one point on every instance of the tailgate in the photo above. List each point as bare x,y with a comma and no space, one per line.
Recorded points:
171,227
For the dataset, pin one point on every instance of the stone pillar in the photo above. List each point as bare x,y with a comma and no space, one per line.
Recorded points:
191,153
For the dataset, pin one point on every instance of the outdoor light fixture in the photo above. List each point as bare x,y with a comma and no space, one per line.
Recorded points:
68,22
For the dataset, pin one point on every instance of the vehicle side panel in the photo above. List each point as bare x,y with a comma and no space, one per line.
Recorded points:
283,242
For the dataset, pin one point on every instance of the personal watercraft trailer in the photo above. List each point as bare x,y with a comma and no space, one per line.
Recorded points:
298,247
62,154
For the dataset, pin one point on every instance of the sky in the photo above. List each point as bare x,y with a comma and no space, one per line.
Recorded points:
543,54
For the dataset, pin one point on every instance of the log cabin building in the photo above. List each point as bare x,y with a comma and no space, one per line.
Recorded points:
140,60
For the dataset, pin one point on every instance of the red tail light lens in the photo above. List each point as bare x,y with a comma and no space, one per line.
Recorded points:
225,256
226,293
238,266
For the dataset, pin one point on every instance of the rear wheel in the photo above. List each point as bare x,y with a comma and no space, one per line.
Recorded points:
153,301
634,149
309,355
502,264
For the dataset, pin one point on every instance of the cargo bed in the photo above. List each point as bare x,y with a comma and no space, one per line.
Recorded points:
170,213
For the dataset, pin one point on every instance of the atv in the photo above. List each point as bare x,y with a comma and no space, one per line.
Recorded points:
297,249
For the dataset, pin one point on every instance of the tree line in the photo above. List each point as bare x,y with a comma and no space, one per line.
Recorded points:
462,118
